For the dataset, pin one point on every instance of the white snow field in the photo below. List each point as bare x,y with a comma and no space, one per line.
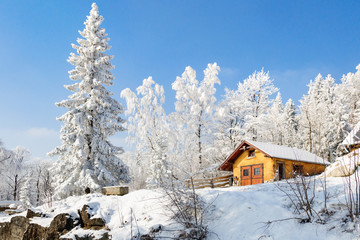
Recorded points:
235,213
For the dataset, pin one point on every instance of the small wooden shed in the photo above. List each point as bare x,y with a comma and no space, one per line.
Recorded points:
258,162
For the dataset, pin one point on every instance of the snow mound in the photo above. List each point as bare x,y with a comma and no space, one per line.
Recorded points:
345,165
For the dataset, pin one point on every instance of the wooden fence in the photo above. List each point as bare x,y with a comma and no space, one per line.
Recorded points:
218,182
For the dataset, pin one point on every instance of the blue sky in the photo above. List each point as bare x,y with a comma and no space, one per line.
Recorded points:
294,40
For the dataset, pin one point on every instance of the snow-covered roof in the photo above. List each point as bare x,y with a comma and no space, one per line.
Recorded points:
290,153
353,137
274,151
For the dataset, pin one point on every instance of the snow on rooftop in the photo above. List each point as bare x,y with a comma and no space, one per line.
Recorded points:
353,137
290,153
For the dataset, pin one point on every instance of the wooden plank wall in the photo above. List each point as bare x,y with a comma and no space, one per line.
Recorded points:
209,182
115,190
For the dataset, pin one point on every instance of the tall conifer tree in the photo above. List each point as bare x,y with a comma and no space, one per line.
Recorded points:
86,156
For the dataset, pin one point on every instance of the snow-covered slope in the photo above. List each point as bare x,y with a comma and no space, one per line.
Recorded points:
243,213
235,213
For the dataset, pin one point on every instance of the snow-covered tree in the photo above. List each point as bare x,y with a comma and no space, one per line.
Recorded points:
273,122
253,95
148,128
28,190
147,118
228,126
349,91
46,186
322,123
86,157
5,159
336,118
159,168
194,114
311,115
41,180
5,154
290,124
16,171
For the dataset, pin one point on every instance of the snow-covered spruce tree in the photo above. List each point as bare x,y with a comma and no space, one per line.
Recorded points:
322,123
349,91
160,173
290,124
86,156
28,191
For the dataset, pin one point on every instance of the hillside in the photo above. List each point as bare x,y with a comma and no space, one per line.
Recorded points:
232,213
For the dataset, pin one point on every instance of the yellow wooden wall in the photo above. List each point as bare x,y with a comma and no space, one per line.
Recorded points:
270,166
308,168
244,160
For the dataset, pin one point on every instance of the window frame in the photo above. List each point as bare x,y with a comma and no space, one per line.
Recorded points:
251,153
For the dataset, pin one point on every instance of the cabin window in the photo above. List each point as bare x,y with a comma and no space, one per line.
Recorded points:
251,153
256,171
246,172
298,169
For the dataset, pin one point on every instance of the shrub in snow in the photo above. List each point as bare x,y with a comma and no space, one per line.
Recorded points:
86,156
189,210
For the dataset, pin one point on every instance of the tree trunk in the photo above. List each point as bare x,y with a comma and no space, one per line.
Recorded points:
15,187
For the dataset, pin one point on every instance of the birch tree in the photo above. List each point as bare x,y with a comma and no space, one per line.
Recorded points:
254,96
194,113
15,174
148,128
229,123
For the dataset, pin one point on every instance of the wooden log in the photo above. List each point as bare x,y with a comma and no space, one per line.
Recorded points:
115,190
203,184
3,208
222,185
221,180
223,177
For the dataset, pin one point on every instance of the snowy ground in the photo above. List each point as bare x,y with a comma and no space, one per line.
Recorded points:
236,213
242,213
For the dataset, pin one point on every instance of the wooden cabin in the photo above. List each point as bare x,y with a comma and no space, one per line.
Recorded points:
352,141
258,162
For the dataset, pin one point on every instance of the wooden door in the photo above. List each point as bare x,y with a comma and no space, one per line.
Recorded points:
252,174
245,175
280,170
257,174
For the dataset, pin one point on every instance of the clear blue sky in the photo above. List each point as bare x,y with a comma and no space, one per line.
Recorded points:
294,40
